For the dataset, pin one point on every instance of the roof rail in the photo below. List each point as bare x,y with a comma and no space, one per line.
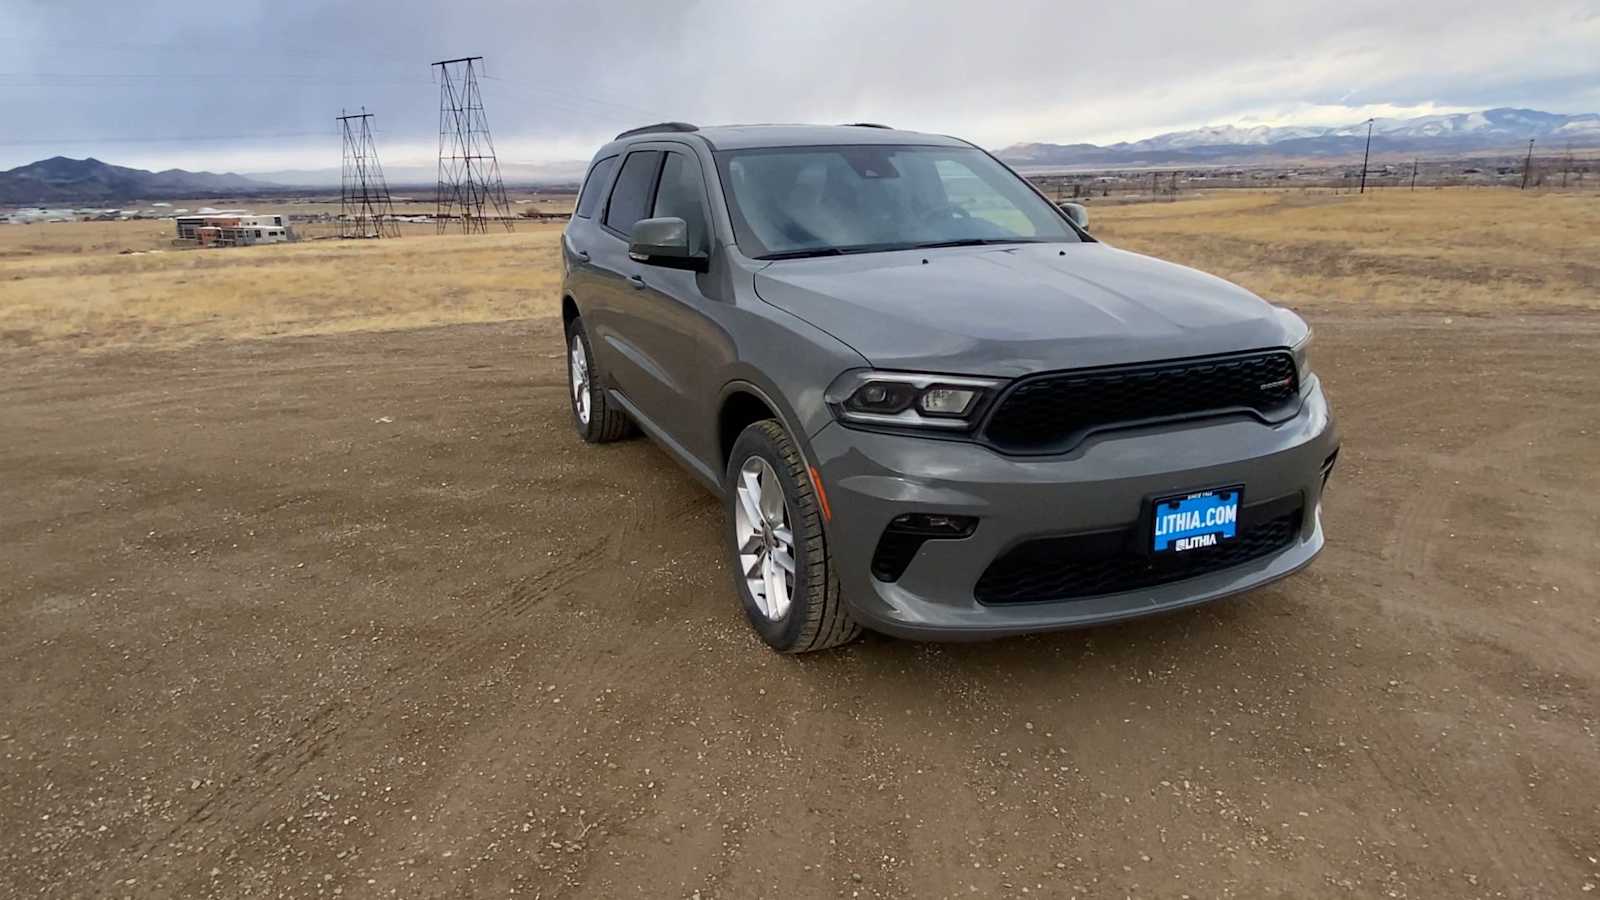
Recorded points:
868,125
659,126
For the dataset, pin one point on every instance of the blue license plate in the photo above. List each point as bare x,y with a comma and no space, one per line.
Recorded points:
1196,521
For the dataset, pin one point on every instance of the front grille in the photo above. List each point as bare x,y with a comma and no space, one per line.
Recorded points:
1052,413
1108,562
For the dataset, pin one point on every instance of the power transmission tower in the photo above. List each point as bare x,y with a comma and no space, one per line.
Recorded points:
469,174
365,210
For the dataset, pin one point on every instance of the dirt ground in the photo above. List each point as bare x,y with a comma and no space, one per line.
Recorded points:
358,615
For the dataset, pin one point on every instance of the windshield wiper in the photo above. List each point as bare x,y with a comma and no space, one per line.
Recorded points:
803,254
892,246
973,242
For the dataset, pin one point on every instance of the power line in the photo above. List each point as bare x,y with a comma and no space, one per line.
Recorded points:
176,139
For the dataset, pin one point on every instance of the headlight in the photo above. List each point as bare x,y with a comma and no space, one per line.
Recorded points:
1299,339
911,400
1302,355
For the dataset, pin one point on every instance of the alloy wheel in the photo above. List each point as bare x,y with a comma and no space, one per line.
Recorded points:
766,542
579,361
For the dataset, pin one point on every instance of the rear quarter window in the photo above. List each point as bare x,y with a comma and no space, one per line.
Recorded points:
594,186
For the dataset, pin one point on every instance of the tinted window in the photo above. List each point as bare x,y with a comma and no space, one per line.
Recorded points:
630,199
683,194
594,185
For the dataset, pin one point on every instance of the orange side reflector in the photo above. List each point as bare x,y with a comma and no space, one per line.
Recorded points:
822,495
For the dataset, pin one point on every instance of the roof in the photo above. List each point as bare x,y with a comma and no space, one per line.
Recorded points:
746,137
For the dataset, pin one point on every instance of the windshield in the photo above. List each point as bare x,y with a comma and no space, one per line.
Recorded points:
813,201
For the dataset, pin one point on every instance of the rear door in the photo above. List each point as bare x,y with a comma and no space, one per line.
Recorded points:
582,233
616,276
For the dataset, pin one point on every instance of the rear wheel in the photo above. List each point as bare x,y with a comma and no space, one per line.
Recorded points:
593,414
782,571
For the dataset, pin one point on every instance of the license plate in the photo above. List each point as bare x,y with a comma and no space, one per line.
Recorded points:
1196,521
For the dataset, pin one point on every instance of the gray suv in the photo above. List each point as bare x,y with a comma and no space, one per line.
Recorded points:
932,403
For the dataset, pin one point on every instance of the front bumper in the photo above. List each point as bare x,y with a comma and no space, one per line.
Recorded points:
871,478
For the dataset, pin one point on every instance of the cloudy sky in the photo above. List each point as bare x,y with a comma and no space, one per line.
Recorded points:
253,86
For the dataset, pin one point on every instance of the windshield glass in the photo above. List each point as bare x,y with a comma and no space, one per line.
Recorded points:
812,201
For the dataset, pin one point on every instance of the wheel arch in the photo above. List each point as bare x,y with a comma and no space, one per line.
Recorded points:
744,403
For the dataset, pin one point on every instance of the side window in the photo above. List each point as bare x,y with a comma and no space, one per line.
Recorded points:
630,199
683,194
589,197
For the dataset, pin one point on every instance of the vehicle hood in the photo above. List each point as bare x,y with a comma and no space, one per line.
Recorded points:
1009,311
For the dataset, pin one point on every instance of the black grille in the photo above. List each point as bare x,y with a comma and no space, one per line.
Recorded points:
1052,413
1107,562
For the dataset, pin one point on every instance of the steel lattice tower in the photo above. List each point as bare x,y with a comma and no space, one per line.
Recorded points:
469,175
365,210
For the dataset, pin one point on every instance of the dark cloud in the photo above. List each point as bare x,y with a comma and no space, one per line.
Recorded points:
255,86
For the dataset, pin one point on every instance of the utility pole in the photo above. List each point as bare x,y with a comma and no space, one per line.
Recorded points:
469,174
1527,164
1365,154
365,210
1566,166
1413,174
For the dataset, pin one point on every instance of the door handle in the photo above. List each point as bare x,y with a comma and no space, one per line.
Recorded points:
582,254
637,281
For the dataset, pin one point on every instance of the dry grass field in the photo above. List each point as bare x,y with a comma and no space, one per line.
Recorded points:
301,598
75,288
1452,251
1469,251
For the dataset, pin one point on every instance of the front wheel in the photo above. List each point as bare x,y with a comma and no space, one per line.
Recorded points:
780,555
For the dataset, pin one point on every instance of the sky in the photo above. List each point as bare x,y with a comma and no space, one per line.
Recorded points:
254,86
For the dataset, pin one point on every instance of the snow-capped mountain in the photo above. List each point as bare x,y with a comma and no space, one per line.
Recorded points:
1490,129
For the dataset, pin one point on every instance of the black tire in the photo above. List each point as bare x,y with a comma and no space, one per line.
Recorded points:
606,422
817,617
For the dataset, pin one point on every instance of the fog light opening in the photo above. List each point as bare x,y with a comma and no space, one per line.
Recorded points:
907,533
934,525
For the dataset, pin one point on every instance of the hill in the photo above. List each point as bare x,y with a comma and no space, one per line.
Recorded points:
59,180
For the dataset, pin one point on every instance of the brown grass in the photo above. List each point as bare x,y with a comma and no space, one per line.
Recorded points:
73,298
1463,251
1466,250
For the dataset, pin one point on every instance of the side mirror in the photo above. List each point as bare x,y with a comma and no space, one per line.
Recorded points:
1077,212
665,242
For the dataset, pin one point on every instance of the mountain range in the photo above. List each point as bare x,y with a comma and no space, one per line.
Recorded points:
60,179
1491,129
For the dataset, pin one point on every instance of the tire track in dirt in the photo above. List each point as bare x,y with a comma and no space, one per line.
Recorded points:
1416,529
244,797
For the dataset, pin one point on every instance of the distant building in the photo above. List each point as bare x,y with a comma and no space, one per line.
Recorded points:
232,230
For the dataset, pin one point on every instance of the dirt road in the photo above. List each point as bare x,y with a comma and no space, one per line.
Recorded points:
358,615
